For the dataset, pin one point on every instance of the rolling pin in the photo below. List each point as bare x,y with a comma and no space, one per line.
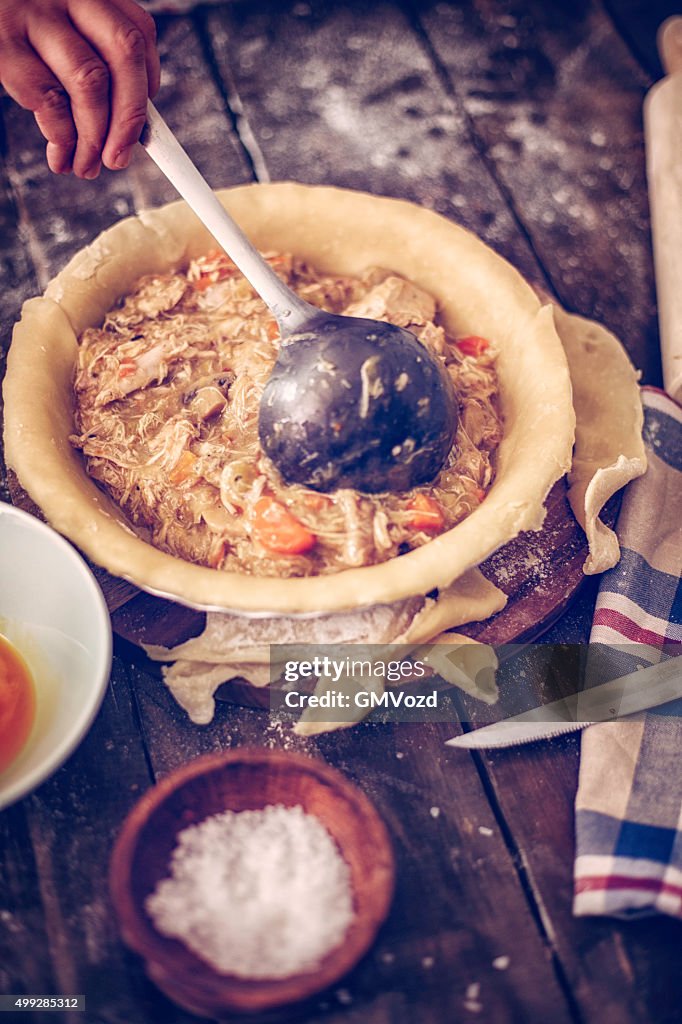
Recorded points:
663,136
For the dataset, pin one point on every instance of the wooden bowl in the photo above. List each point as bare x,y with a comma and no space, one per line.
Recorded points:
241,780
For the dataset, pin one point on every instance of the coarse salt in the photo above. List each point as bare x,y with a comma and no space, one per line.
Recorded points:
257,894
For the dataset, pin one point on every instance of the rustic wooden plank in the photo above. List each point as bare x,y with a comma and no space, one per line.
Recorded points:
59,214
344,94
16,270
171,738
25,964
71,822
458,905
651,947
554,99
193,105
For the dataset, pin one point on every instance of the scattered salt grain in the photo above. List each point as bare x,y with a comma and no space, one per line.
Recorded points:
484,830
428,962
501,963
434,812
471,1001
257,894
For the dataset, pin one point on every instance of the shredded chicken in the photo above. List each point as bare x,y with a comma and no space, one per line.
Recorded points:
167,397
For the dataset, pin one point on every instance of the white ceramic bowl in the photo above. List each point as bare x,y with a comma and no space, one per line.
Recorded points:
53,611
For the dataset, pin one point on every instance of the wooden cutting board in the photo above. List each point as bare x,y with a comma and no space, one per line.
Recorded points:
540,573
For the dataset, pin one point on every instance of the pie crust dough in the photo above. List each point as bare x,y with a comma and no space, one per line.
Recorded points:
233,646
609,448
337,231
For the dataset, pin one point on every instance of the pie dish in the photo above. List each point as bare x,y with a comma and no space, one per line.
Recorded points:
338,231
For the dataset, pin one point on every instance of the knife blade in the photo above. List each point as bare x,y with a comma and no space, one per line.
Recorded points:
638,691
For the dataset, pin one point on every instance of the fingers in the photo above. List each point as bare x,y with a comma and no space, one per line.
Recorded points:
125,37
147,27
86,69
85,77
31,83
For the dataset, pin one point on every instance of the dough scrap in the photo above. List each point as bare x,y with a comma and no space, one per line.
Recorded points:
609,449
236,646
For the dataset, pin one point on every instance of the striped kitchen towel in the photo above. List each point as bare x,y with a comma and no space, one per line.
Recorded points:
629,802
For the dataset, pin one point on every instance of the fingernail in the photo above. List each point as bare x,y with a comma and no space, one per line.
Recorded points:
58,161
92,172
123,158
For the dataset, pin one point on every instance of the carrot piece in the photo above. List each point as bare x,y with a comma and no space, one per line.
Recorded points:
213,267
183,468
217,260
426,514
204,283
276,529
473,345
273,330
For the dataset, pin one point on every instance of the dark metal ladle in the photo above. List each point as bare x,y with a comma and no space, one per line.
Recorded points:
350,402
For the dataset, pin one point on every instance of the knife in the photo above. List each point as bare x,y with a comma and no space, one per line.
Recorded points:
627,695
663,136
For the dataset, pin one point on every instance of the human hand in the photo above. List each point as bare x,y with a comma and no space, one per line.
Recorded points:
85,68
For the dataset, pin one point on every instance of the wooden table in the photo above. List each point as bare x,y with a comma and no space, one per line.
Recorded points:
523,122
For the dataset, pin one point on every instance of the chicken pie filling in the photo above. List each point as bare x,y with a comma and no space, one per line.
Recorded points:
167,398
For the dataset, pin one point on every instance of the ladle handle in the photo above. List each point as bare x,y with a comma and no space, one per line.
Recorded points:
288,309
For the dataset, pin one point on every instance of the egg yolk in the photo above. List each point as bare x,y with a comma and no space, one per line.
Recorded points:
17,703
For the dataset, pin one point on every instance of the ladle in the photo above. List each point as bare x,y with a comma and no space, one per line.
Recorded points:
351,402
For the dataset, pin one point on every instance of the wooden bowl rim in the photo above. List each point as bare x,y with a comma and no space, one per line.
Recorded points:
198,979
